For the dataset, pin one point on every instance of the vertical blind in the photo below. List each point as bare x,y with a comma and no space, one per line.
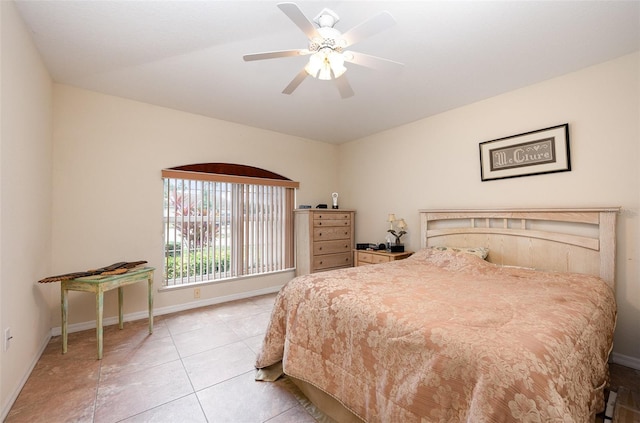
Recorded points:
219,226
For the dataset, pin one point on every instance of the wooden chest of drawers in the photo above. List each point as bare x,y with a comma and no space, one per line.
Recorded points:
363,257
324,239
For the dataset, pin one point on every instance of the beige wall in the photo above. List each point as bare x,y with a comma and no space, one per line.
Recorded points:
434,163
25,203
107,188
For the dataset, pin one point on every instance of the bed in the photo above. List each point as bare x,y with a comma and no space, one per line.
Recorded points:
502,315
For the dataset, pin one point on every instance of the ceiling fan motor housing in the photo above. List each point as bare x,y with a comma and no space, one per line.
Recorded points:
326,18
331,38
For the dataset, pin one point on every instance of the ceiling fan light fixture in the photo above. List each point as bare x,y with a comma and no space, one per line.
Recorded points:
326,48
326,64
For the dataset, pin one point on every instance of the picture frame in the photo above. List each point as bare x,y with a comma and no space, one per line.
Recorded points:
530,153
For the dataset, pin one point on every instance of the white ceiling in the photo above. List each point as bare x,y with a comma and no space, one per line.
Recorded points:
187,55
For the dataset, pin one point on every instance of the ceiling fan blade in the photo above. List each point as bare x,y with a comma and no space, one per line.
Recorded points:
275,54
344,87
295,82
371,26
373,62
295,14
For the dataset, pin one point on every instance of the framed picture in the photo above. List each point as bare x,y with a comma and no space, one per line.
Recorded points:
532,153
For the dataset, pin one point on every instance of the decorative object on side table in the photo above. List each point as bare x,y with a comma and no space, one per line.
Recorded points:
395,245
113,269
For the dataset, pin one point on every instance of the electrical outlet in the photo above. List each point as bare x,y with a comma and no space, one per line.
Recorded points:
7,339
196,292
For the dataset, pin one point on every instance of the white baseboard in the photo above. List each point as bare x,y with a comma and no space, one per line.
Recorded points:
78,327
6,407
625,360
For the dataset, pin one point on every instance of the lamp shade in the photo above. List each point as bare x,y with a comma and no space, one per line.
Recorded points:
326,64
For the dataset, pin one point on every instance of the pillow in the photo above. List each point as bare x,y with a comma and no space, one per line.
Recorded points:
481,252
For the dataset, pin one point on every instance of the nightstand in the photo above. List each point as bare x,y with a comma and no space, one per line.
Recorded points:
362,257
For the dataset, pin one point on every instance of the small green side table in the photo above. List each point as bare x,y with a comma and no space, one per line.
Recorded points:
99,284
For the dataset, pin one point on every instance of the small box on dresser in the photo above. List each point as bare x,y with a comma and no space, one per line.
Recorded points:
324,239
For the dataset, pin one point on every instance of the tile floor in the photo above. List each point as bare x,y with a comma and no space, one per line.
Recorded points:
196,367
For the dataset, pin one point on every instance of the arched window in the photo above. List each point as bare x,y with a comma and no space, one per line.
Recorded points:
224,221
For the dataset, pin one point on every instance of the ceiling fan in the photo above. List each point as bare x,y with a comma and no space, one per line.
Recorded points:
327,47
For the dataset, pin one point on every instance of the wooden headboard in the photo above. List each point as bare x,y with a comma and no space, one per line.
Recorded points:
567,240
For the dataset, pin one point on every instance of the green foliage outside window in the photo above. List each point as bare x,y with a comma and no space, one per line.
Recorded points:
195,263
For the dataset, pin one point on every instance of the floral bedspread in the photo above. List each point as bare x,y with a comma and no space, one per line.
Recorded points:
447,337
